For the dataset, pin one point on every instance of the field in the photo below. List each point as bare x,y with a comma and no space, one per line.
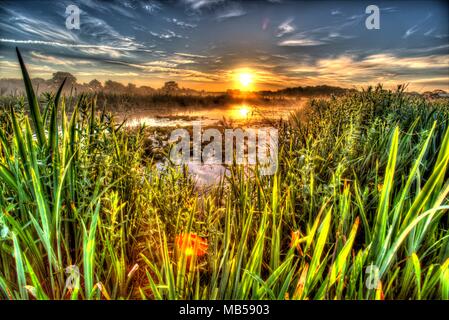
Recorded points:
356,210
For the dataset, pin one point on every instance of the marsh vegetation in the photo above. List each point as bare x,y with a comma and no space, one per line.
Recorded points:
362,182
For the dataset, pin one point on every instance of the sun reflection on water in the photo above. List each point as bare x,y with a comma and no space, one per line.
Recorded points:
240,112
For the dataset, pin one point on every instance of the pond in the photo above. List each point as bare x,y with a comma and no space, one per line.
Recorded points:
234,114
238,115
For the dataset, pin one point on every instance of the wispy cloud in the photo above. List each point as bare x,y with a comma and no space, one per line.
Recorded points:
151,6
304,42
232,11
45,58
36,70
87,48
171,70
180,23
95,37
166,35
389,9
317,48
429,32
286,27
410,31
322,34
425,49
190,55
43,30
100,31
199,4
386,68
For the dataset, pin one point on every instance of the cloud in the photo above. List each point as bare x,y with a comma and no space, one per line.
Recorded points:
151,6
160,63
106,73
410,31
389,9
87,48
5,64
425,49
199,4
43,30
180,23
334,36
429,32
416,27
434,81
179,61
169,62
36,70
168,34
126,9
190,55
316,48
39,57
386,60
106,39
180,73
99,31
233,11
286,27
320,35
304,42
384,68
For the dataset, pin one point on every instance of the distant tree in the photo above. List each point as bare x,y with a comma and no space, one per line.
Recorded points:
233,92
95,85
114,86
145,90
131,88
38,81
170,87
59,76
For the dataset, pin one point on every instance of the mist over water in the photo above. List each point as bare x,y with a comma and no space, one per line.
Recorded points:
237,114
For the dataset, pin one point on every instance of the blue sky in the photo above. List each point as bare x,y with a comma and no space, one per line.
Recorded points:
204,44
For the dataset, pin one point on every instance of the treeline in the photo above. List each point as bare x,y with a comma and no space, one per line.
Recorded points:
321,90
127,102
72,86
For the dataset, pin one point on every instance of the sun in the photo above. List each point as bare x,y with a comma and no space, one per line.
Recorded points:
245,79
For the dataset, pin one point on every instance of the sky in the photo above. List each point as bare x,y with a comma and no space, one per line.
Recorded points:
207,44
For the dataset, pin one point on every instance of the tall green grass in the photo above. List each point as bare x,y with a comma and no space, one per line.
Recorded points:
362,185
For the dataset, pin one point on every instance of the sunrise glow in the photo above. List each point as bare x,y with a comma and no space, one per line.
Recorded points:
244,79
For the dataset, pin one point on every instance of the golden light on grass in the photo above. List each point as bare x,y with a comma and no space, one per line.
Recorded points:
191,245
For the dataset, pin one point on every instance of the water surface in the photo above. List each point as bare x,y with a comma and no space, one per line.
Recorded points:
236,114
